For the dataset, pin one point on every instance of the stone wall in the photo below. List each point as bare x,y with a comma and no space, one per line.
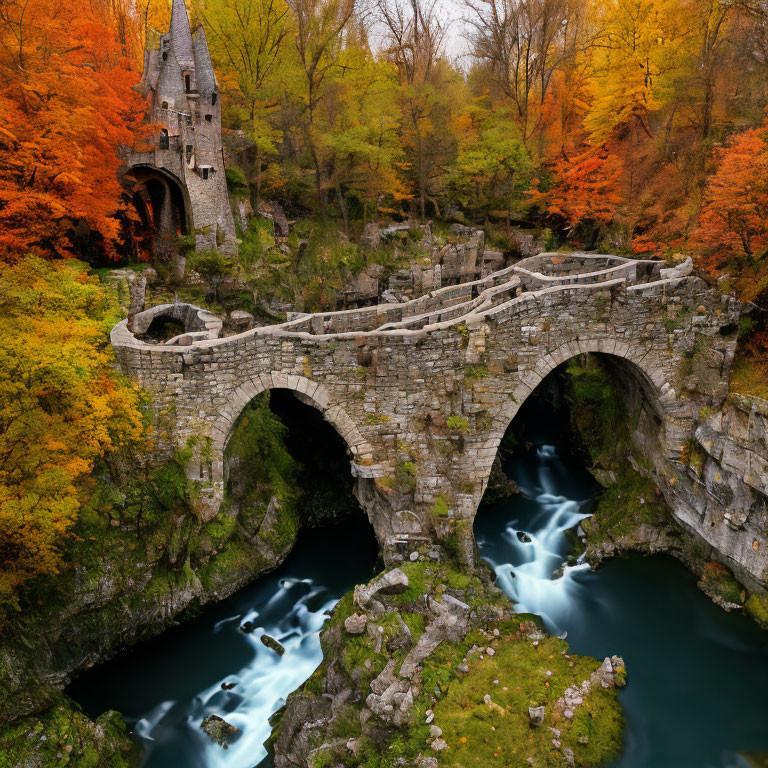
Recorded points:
423,408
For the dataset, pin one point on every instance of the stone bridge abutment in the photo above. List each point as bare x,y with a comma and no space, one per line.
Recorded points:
423,392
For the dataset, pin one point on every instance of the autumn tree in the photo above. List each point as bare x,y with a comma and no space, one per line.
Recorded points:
319,42
414,37
61,406
522,44
247,40
733,226
67,105
492,169
586,188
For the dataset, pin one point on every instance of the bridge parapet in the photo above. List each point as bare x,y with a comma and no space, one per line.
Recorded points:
423,401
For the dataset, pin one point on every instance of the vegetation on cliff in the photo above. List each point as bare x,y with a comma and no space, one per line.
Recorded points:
64,737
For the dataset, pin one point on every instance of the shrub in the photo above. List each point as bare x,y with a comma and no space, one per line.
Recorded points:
458,424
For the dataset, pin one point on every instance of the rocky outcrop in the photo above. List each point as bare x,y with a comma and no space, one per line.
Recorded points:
422,694
218,729
720,491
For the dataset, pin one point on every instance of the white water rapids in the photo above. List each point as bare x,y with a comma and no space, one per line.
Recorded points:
263,684
537,579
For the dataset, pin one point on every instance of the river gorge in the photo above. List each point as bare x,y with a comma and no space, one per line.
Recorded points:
697,675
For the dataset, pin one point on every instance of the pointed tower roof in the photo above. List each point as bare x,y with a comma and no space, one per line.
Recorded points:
181,36
206,77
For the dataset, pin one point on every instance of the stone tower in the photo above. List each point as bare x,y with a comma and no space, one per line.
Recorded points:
179,186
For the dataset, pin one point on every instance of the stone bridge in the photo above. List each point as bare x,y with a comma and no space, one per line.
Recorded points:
423,392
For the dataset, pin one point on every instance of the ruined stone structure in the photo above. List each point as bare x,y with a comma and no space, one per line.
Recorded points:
179,186
423,392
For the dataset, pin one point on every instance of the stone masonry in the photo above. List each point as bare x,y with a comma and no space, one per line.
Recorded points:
423,392
187,160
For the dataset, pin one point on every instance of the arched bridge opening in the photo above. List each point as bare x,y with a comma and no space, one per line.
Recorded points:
590,422
286,467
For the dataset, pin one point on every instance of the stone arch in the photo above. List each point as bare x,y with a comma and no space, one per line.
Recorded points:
162,201
309,391
653,381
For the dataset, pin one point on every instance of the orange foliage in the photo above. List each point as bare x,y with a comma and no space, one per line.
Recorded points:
586,187
66,105
734,217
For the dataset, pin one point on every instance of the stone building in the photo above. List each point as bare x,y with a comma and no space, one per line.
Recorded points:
179,185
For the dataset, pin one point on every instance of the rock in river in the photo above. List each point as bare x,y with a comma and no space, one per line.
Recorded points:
272,644
218,729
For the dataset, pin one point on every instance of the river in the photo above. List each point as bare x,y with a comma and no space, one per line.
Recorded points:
698,677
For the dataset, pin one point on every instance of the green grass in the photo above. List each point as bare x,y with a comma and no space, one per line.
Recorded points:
480,735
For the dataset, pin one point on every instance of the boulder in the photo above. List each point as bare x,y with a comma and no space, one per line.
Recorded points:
218,729
356,623
392,582
273,644
536,716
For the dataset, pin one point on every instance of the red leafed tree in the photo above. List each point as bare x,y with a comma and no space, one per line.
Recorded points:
733,226
586,187
66,104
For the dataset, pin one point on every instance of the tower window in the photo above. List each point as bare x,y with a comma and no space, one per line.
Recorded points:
208,118
165,105
189,152
165,55
187,83
165,141
214,96
205,173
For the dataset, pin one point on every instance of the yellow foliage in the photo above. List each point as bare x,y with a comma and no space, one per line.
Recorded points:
61,406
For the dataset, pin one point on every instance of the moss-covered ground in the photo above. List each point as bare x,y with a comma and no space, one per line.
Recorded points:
63,736
525,668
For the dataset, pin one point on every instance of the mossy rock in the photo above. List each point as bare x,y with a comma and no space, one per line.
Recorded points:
756,606
64,736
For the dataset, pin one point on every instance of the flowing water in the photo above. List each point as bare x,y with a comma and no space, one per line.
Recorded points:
698,677
165,687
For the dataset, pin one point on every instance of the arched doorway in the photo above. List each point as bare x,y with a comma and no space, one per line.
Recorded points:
163,208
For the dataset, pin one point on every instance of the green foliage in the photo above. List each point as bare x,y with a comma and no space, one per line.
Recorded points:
716,580
405,475
209,264
756,606
258,446
475,372
625,505
596,410
457,423
256,246
64,737
236,183
440,506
